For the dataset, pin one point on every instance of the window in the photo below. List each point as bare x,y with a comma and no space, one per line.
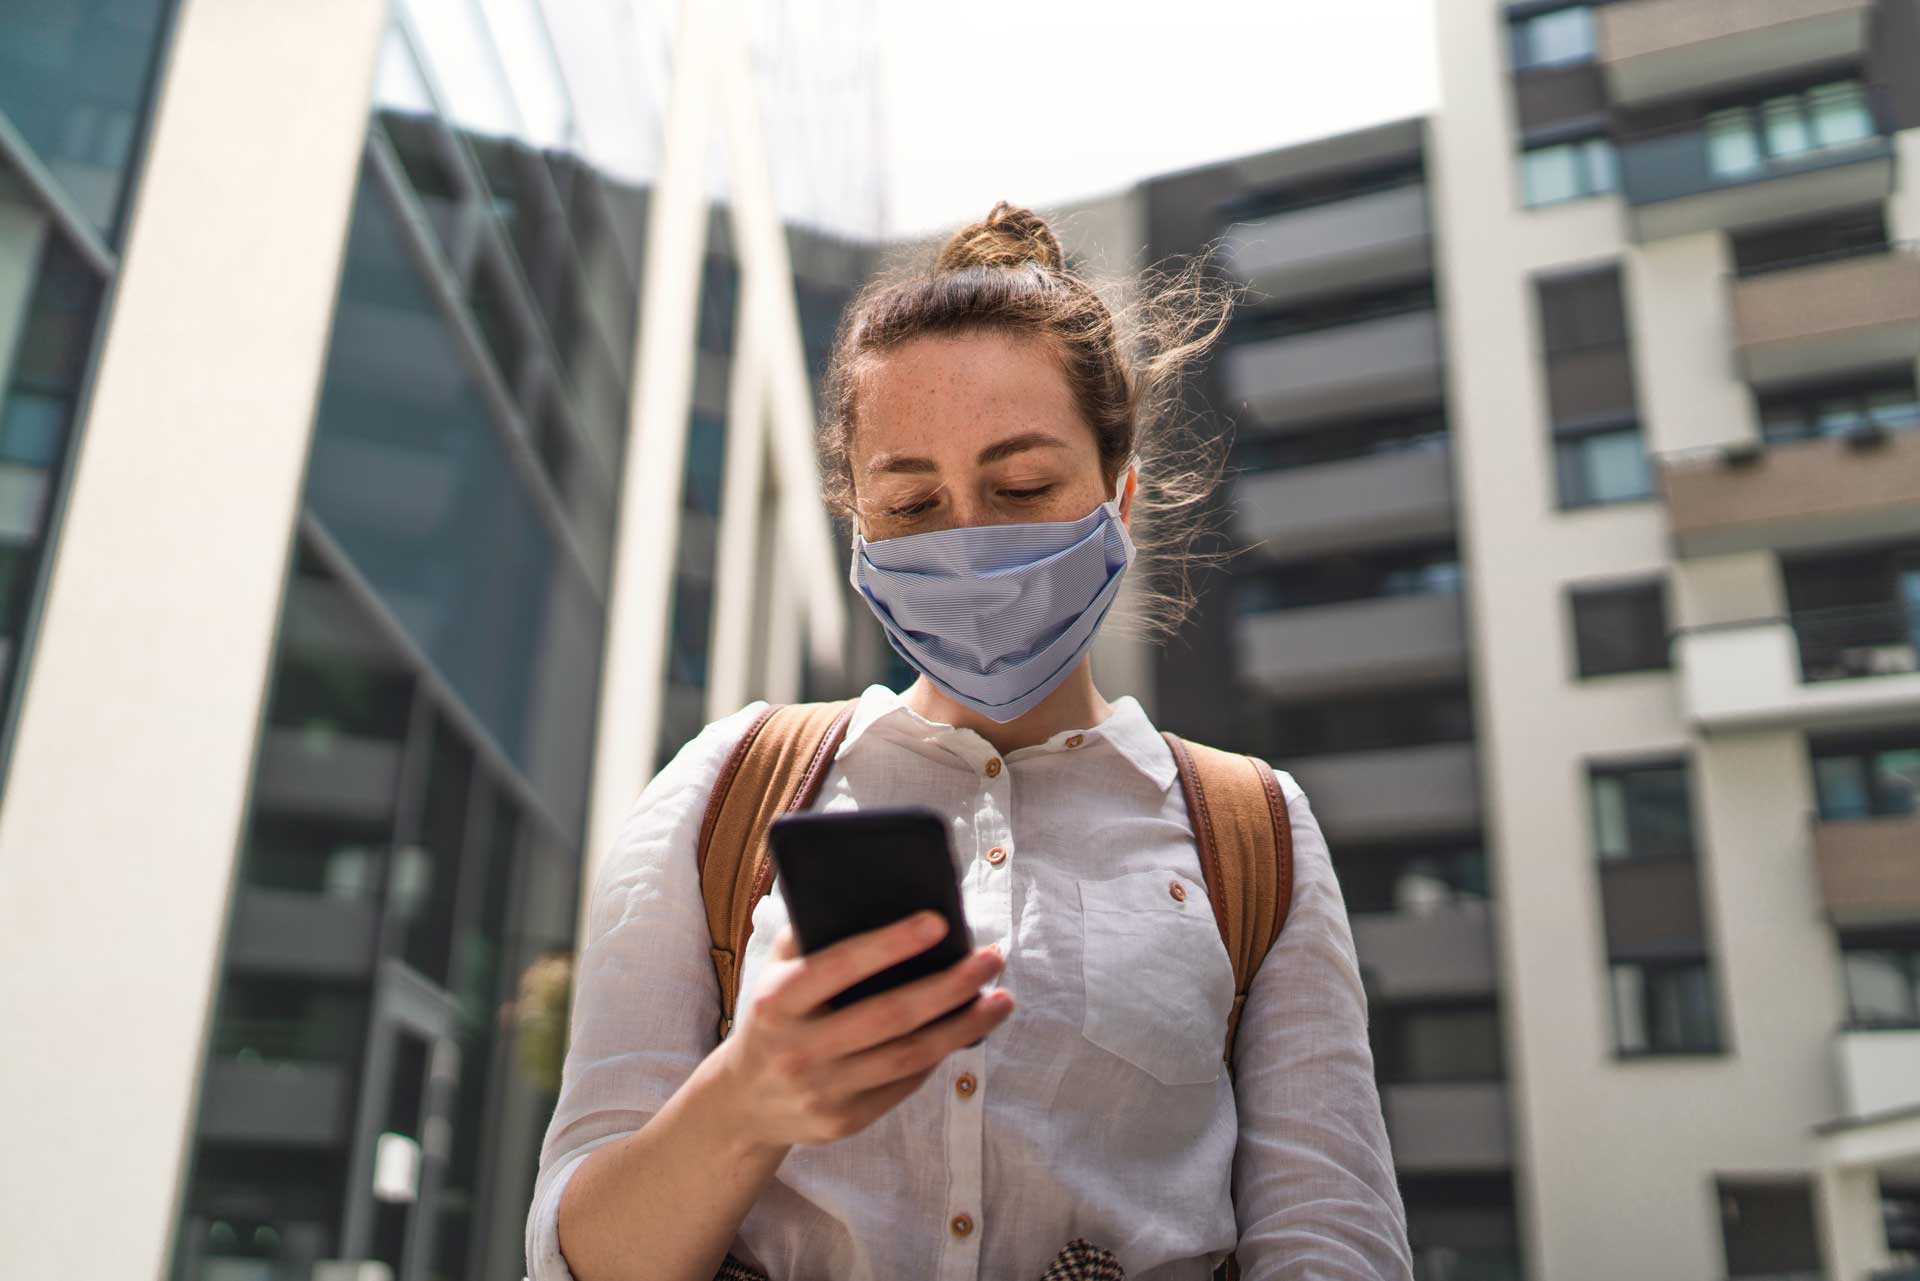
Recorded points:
1663,1007
1330,580
1641,811
1566,171
1412,879
1553,39
1368,723
1401,433
1767,1229
1583,311
1883,983
1744,139
1868,779
1620,629
1606,465
1889,404
1440,1043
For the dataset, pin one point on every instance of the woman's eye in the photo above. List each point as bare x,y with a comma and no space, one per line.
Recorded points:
911,509
1026,495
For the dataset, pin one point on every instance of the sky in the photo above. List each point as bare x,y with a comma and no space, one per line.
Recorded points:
1048,101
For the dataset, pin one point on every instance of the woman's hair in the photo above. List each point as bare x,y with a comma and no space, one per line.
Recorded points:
1125,365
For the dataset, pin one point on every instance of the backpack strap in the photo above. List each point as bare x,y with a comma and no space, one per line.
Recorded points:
775,768
1240,824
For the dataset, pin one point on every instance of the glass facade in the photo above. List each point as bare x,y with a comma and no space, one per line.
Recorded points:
76,83
392,1015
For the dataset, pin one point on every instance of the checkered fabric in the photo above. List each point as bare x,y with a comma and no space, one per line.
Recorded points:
1078,1260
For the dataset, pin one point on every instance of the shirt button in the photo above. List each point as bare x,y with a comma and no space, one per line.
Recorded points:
993,767
965,1085
1178,891
996,856
961,1225
1076,740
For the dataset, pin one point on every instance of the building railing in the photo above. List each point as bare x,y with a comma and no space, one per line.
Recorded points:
1851,641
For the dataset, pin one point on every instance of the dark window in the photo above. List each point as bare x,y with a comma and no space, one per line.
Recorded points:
1436,1043
1888,402
1344,309
1620,629
719,296
1856,614
1587,310
1335,579
1641,811
1322,191
1399,433
1664,1007
1871,777
1768,1229
1372,722
1411,878
1836,235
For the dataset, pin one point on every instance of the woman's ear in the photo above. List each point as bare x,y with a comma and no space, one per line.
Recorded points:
1128,487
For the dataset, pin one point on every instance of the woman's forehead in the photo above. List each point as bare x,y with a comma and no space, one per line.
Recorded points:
950,393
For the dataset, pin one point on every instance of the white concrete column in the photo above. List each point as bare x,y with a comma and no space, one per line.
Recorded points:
730,659
1853,1234
127,789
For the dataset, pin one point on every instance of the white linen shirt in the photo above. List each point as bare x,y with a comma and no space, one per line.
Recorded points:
1100,1108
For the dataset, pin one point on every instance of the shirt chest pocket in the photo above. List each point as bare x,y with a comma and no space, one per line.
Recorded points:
1157,980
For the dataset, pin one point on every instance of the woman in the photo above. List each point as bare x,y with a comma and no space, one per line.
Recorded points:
995,390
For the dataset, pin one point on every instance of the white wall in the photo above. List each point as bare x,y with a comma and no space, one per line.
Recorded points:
136,738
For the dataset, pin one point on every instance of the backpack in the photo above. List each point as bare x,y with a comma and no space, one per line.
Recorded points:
1238,813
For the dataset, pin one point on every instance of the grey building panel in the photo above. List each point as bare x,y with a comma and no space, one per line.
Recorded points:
1448,1126
1446,951
1349,505
284,1103
1369,366
1407,791
1362,241
1355,645
311,935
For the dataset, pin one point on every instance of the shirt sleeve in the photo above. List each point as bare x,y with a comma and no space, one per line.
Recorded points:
1313,1180
646,1000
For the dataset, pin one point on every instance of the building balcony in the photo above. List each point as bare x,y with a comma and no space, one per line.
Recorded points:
314,936
1672,186
1878,1070
336,775
1650,49
1367,366
282,1103
1398,792
1448,1126
1828,316
1795,496
1377,500
1443,951
1363,240
1820,670
1870,872
1374,644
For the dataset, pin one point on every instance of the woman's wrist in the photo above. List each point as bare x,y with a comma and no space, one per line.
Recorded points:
723,1102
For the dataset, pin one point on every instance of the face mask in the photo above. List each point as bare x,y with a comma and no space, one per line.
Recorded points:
996,615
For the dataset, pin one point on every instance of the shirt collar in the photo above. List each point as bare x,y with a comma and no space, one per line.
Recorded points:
1127,732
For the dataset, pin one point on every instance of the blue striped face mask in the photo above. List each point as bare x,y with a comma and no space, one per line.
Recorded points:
996,615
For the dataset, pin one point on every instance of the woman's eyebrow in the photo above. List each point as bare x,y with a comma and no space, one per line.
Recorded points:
993,453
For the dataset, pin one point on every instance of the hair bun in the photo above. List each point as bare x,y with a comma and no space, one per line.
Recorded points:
1009,236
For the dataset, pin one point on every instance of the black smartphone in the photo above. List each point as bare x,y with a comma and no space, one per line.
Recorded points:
845,873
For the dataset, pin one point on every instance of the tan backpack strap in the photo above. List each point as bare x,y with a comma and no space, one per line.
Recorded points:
1240,824
776,767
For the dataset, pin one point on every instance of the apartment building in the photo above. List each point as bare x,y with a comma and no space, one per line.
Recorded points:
1581,590
414,435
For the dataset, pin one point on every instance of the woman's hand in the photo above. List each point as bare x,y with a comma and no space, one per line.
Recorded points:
800,1071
